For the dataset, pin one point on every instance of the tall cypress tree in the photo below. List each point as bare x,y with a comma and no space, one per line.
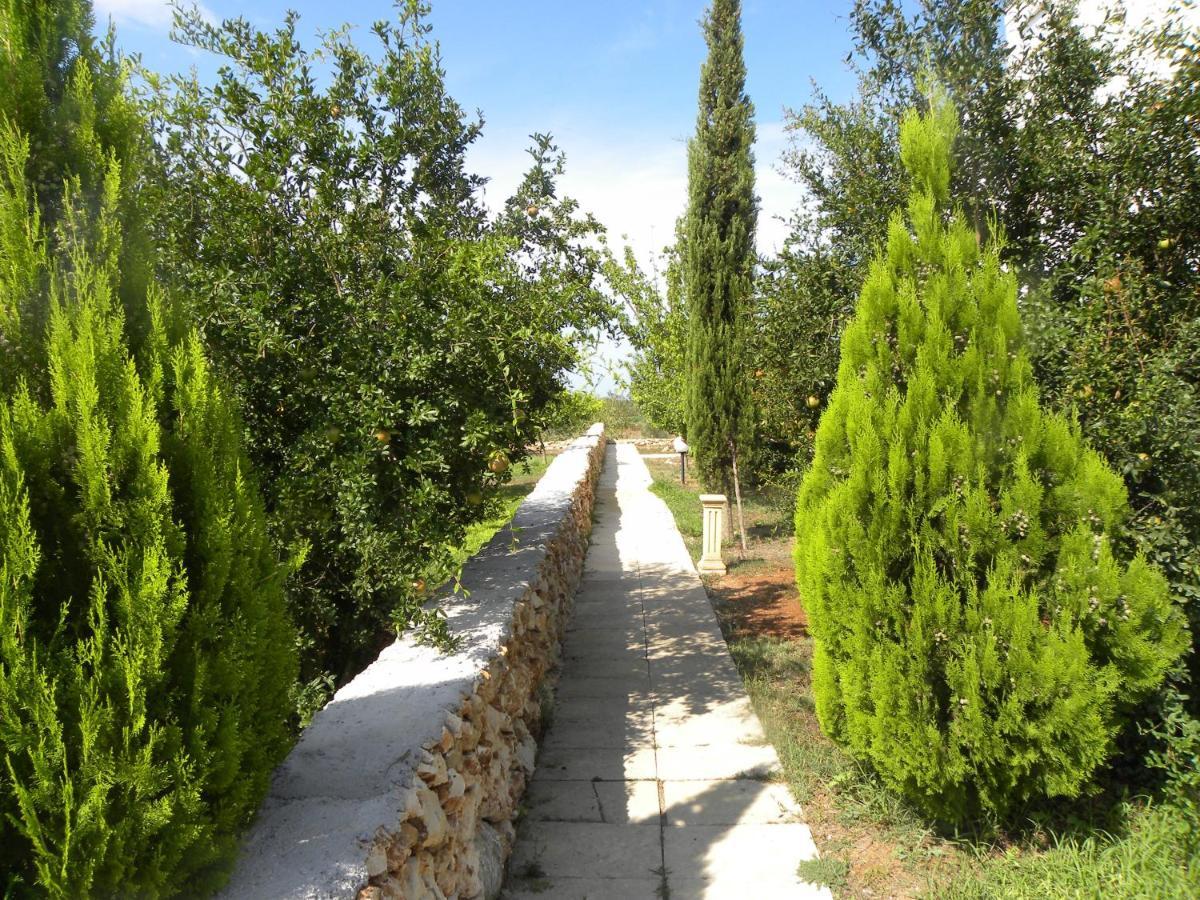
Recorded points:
980,635
145,652
719,255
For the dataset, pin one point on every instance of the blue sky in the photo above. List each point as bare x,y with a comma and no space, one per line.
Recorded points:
615,83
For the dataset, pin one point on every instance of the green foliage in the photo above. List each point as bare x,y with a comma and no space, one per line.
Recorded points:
1115,322
387,341
503,506
145,652
1178,758
849,166
657,331
979,640
68,94
800,309
718,255
623,418
573,413
1085,155
826,870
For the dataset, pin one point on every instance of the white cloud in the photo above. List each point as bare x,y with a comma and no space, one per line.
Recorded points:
1119,19
155,14
637,188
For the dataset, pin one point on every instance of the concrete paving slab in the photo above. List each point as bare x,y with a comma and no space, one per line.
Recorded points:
746,852
705,696
729,802
606,618
669,649
593,627
703,764
603,763
614,802
677,625
680,695
612,600
608,708
605,666
745,886
602,732
709,730
631,687
585,889
696,665
606,645
563,801
586,850
629,802
674,710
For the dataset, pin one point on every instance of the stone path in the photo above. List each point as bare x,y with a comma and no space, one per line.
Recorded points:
654,779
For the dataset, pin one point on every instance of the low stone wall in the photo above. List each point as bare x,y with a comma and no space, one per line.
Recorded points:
407,783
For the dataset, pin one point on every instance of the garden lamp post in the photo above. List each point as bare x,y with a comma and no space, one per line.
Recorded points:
681,448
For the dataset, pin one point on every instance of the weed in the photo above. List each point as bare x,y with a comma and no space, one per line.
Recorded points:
827,870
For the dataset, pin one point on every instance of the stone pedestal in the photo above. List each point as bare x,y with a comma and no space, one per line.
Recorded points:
714,527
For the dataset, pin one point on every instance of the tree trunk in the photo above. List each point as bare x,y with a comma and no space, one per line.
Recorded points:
737,493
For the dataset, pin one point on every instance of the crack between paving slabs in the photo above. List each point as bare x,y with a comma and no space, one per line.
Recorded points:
664,888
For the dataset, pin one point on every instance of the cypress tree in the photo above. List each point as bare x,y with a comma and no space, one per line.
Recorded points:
145,653
978,638
719,251
66,92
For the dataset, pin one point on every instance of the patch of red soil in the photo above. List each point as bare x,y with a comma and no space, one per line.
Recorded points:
761,601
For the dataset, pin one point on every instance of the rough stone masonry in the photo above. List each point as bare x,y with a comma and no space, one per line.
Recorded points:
406,785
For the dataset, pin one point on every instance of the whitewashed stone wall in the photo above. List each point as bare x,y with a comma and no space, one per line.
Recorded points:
406,785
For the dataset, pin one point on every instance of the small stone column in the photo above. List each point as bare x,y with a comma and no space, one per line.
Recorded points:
714,527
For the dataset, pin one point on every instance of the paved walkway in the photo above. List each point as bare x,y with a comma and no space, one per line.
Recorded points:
654,779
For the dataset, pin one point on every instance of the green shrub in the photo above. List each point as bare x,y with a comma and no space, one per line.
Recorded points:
1086,155
978,640
146,659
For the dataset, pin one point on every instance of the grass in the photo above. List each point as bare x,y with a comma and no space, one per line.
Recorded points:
1156,856
824,870
509,497
767,514
872,843
685,508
